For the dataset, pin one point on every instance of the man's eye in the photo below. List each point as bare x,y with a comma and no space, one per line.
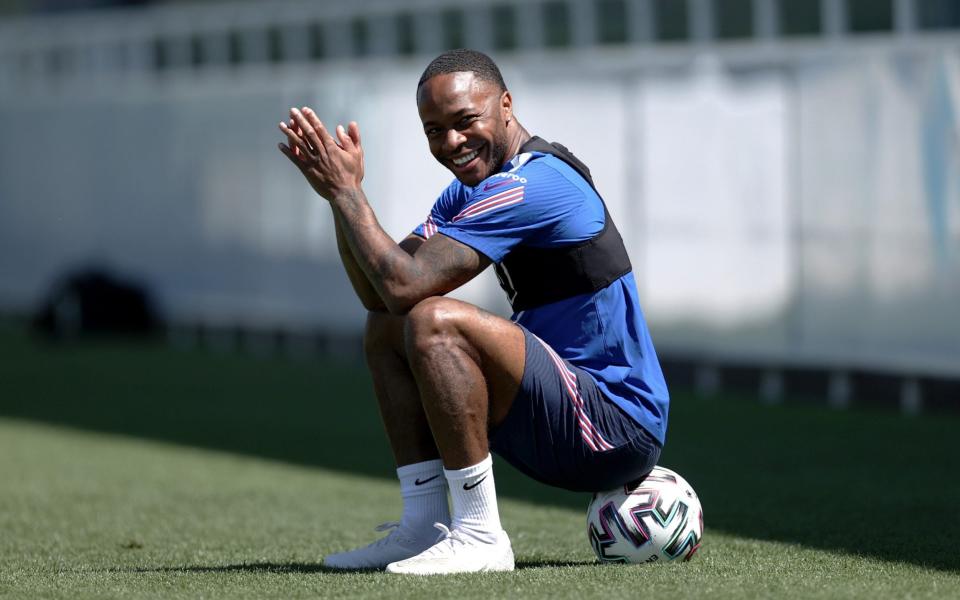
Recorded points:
466,121
432,132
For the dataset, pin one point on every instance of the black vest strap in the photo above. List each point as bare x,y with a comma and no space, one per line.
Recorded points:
533,277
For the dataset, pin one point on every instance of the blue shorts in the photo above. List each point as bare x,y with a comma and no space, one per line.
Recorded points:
562,431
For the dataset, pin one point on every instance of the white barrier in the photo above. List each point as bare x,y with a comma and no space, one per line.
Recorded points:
806,208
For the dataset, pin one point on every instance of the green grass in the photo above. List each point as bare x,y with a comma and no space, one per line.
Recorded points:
131,470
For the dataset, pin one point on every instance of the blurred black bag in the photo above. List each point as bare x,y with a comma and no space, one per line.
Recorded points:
94,302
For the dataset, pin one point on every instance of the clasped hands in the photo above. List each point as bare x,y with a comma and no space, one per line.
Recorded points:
331,165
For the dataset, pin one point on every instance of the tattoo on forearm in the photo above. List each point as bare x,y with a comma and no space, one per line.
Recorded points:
387,265
438,267
351,202
376,254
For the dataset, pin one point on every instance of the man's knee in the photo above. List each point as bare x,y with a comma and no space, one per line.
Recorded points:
432,324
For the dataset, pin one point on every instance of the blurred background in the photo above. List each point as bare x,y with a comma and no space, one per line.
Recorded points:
785,173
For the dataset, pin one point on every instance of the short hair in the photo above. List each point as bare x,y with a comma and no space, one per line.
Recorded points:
464,60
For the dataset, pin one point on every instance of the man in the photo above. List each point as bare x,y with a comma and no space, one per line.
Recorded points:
569,391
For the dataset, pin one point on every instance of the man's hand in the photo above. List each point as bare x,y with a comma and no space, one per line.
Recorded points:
384,274
331,166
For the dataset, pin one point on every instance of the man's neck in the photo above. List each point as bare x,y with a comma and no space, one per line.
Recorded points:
519,139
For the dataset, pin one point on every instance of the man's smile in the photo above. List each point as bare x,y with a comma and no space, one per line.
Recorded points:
464,159
467,163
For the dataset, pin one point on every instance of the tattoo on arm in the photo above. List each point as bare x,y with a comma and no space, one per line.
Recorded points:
368,295
401,280
352,202
447,261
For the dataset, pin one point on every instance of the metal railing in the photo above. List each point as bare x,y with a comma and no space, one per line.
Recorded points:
172,38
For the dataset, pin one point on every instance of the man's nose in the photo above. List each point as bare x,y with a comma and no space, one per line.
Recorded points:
453,140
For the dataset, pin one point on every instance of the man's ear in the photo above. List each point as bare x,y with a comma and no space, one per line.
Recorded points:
506,107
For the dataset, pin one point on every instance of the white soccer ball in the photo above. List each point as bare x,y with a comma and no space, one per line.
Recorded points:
655,519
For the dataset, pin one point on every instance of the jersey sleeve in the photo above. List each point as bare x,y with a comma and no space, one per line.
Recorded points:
442,211
508,209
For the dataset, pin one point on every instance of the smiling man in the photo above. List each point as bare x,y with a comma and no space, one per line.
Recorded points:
569,390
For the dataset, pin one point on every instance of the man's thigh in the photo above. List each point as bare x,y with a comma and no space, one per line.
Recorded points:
562,431
495,344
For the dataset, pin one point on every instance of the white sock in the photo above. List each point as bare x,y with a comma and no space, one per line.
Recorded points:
474,498
424,492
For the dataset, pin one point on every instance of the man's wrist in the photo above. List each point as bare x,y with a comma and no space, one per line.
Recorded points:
349,199
347,194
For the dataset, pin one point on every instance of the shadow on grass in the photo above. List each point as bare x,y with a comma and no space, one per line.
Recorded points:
265,567
870,484
553,564
268,567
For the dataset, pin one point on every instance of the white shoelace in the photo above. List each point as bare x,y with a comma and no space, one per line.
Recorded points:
452,536
392,526
387,525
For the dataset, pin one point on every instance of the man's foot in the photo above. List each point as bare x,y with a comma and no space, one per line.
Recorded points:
397,545
457,552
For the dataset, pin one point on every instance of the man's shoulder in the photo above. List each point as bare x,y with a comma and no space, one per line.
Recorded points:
551,171
534,163
533,170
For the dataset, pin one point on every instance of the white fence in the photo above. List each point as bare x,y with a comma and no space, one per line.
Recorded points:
790,199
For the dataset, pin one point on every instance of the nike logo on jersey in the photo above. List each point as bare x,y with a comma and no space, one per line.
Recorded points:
427,480
496,184
469,487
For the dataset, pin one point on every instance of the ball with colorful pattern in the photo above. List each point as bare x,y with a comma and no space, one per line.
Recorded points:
655,519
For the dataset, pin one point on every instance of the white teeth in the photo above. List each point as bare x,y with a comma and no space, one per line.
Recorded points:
464,160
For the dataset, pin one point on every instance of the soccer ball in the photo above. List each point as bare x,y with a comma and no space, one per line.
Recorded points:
655,519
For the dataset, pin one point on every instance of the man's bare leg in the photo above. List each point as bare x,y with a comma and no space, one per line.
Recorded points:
423,486
397,395
443,374
419,469
468,365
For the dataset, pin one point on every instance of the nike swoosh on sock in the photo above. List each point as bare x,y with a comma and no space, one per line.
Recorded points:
475,483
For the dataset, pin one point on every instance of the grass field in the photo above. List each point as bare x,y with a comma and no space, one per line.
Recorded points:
131,470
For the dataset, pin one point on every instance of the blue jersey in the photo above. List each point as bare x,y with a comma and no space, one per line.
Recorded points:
538,200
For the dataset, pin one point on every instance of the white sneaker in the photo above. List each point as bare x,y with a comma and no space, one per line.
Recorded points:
397,545
457,552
